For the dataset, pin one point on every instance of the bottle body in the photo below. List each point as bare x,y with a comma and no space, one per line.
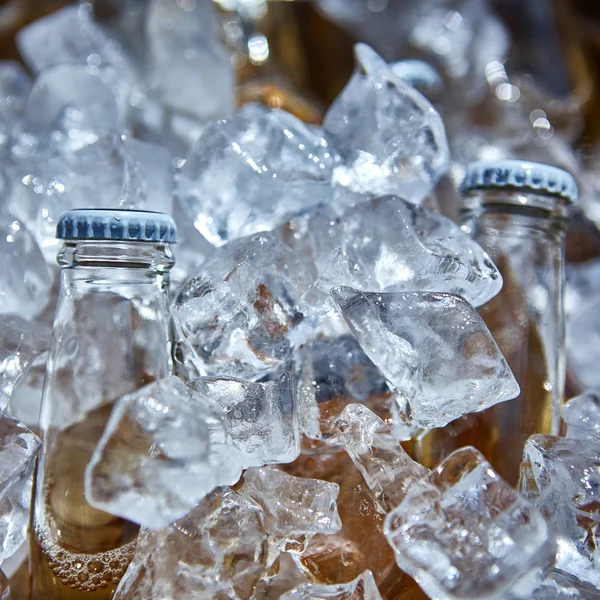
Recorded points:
110,338
524,234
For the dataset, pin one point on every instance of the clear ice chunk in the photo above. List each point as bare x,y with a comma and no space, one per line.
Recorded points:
25,279
218,550
583,344
558,587
335,371
245,310
582,416
70,36
388,244
389,136
188,66
362,588
18,449
21,342
252,172
15,86
260,417
562,477
164,448
387,469
434,348
73,104
463,532
71,156
293,506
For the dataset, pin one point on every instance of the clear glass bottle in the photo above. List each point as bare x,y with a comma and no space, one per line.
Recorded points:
518,212
111,337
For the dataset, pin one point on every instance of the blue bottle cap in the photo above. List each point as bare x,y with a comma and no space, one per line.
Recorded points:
520,175
419,74
116,225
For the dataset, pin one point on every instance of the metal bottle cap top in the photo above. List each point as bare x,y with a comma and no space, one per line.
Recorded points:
419,74
520,175
116,225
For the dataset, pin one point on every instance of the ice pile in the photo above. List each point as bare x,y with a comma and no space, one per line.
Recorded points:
326,312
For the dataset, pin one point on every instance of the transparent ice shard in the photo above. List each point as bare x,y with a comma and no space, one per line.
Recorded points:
25,279
260,417
252,172
387,469
434,348
583,344
162,451
245,310
218,550
362,588
71,156
293,506
335,371
18,449
562,477
389,136
70,36
388,244
189,68
463,532
15,86
280,578
582,416
21,342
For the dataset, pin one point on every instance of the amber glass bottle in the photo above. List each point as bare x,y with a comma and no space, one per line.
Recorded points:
110,337
518,212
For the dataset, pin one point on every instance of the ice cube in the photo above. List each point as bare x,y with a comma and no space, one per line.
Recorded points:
360,545
252,172
18,449
218,550
245,310
280,578
190,251
26,397
362,588
582,416
190,69
558,587
15,86
390,137
334,372
71,156
164,448
562,476
260,417
463,532
386,467
293,506
583,344
434,348
70,36
21,342
25,279
389,244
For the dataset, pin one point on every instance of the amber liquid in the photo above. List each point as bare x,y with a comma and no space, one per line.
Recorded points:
500,432
76,551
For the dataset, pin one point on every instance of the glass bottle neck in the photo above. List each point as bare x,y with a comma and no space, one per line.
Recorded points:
516,213
156,258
